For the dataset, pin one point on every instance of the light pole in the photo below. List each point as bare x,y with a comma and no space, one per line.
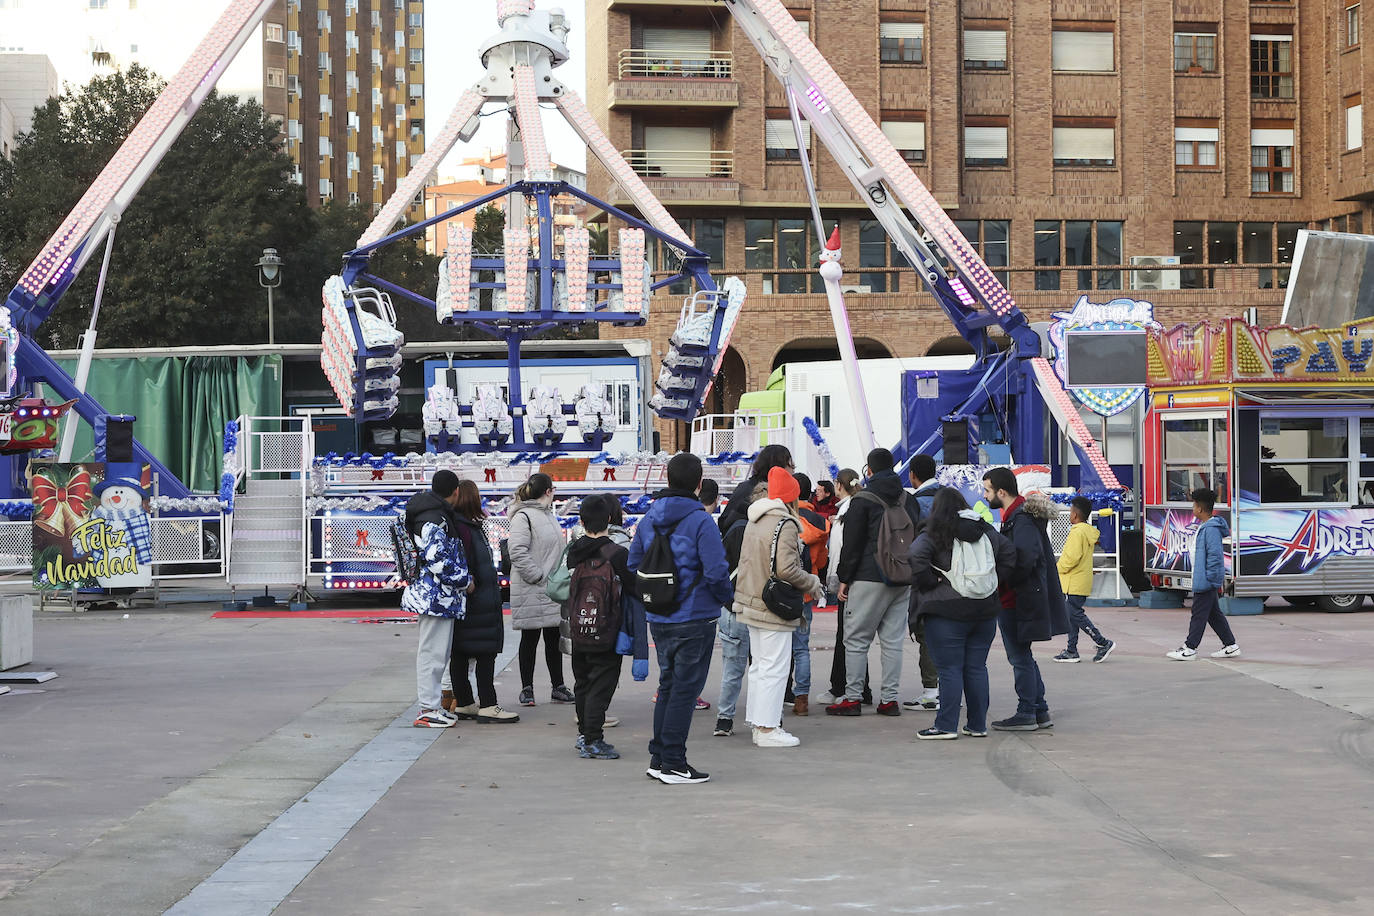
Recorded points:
269,277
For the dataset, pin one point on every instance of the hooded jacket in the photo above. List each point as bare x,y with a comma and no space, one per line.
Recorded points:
1037,612
579,551
1209,556
482,631
815,537
704,578
439,590
931,593
859,549
536,547
1076,562
756,564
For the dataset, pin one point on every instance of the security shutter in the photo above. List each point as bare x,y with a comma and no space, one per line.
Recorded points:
1196,134
1094,143
1271,138
985,44
915,30
680,151
1354,127
680,41
905,134
779,134
985,143
1083,51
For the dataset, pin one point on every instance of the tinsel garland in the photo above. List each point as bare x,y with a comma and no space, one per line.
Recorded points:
16,509
198,505
827,456
1101,499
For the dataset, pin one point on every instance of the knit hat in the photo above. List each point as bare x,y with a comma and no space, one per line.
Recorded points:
782,485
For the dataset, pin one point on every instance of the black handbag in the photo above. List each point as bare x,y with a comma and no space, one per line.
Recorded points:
782,598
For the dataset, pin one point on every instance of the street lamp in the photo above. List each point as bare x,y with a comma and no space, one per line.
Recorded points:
269,277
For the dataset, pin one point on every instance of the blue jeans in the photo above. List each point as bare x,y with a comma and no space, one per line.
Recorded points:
684,660
801,654
1078,620
1030,689
960,650
734,660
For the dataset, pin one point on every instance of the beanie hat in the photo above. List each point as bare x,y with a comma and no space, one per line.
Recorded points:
782,485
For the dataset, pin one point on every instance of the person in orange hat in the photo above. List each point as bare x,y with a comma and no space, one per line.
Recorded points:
772,550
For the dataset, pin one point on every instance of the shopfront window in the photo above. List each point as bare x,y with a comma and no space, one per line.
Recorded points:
1304,459
1194,457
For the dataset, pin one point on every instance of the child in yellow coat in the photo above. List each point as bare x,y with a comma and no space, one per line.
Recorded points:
1076,577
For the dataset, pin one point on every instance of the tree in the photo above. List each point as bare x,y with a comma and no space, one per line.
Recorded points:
182,272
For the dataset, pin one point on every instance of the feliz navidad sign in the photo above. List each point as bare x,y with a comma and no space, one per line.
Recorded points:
89,531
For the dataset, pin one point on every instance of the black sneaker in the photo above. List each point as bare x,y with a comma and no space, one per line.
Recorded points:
1067,657
682,775
599,750
724,728
935,734
653,772
1104,651
561,694
1016,724
526,696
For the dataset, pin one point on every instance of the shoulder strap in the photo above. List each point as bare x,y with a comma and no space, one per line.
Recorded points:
777,532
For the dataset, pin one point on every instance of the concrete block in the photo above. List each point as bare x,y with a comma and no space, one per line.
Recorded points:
1241,607
1161,599
16,632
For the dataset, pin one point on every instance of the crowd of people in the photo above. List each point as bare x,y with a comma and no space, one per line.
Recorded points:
903,559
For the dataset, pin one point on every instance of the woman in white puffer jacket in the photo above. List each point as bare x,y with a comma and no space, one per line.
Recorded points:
846,485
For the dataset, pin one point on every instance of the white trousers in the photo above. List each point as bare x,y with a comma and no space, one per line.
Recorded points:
772,651
431,658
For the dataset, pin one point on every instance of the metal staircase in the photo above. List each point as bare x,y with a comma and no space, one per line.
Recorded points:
268,535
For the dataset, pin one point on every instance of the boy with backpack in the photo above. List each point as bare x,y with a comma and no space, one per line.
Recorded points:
875,582
1076,575
682,578
593,618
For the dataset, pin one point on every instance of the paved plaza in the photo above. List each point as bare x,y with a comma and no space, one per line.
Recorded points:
177,758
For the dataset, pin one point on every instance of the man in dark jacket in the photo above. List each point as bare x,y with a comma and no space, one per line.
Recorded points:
1033,607
686,637
872,607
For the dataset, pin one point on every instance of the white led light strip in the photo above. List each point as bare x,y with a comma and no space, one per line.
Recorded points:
537,164
577,248
633,269
517,269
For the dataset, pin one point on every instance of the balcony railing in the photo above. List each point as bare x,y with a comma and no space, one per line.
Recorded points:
638,62
659,163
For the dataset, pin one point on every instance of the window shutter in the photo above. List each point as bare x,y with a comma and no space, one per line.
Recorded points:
902,30
905,134
1271,138
694,41
1354,127
1196,134
681,151
1085,143
779,134
1084,51
985,44
985,143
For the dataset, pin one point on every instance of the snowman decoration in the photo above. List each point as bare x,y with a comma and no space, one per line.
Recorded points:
121,507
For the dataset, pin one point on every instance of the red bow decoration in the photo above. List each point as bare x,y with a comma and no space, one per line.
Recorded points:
61,507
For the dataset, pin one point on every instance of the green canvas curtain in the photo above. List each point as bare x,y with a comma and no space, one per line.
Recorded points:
182,405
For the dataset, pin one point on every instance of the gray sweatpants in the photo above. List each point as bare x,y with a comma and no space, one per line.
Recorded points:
431,658
874,609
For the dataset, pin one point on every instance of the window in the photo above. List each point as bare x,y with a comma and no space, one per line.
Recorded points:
901,42
273,31
1259,243
417,128
376,134
1084,243
781,245
907,133
276,78
325,65
1271,160
985,49
1304,459
399,74
378,174
1271,66
820,410
354,124
1082,51
1194,456
326,147
875,251
293,130
417,55
780,139
1195,143
1195,52
326,189
1352,25
1354,123
985,141
376,98
354,164
322,20
326,105
417,91
1084,142
989,237
353,197
416,20
99,4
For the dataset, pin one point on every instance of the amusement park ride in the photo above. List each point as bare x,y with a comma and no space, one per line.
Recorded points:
541,280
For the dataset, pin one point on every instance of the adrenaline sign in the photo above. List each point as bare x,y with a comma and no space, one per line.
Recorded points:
1297,540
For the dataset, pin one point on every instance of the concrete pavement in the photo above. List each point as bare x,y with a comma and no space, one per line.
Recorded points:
1200,787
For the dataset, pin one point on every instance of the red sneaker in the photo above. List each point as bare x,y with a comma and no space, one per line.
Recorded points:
890,708
844,708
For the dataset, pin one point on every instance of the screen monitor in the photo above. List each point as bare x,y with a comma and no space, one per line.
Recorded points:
1105,359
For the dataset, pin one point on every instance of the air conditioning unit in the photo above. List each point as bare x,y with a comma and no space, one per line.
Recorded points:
853,289
1154,272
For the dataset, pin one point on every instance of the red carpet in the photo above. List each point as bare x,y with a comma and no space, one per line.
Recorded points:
361,612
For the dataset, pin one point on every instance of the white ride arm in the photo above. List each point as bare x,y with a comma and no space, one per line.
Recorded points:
538,167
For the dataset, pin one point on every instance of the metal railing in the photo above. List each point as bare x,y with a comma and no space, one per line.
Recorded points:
660,163
189,547
1103,561
743,431
676,64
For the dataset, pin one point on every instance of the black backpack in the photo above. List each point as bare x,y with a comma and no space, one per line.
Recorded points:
657,577
594,604
407,557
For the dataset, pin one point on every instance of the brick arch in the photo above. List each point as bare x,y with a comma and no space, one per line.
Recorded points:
950,345
812,349
731,382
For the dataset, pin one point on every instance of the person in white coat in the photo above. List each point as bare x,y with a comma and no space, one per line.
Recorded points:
846,485
536,547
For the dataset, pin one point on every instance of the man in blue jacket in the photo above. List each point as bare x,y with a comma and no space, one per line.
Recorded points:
1209,578
685,638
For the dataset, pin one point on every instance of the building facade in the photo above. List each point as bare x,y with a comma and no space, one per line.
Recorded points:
27,81
346,79
481,175
1166,150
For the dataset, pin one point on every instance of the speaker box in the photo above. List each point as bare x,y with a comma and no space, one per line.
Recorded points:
959,445
119,440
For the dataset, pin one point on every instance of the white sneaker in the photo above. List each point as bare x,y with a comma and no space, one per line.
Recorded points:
777,737
828,698
1182,654
434,718
611,722
1230,651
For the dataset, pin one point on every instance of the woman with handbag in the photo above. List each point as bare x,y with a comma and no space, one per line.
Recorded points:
770,591
536,548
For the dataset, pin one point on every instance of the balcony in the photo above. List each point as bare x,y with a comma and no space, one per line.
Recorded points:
700,79
686,176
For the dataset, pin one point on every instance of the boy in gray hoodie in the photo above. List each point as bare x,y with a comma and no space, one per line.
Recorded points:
1209,577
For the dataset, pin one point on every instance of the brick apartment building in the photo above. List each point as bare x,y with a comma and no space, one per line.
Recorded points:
346,80
1066,138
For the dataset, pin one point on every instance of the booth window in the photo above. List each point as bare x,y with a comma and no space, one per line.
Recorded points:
1304,459
1194,456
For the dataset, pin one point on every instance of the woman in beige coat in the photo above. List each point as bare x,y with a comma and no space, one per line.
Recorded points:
770,637
536,547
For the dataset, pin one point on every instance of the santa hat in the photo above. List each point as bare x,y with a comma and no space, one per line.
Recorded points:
782,485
